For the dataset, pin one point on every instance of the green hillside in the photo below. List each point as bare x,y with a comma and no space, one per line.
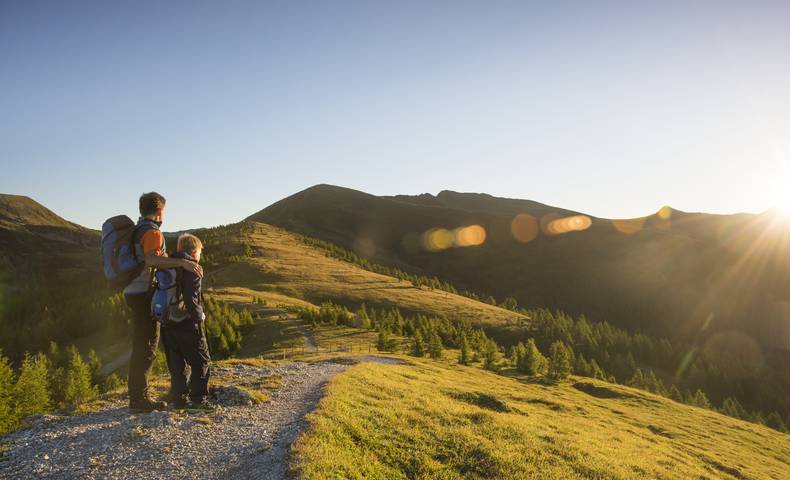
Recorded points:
665,274
435,420
258,260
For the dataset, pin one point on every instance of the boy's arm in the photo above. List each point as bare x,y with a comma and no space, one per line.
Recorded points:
158,261
191,290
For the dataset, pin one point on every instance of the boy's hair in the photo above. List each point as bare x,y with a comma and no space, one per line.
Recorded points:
151,202
189,243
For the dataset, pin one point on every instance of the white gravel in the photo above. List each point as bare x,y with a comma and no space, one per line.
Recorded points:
243,442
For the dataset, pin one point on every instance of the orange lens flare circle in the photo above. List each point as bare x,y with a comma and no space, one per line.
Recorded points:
470,236
524,228
575,223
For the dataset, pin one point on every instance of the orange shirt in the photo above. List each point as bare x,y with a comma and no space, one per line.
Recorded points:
152,242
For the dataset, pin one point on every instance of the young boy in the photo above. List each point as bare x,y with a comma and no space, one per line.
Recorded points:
185,341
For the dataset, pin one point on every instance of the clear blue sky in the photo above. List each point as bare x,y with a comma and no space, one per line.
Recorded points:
225,107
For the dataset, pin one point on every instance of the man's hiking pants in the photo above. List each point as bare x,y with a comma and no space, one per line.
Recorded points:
145,340
186,346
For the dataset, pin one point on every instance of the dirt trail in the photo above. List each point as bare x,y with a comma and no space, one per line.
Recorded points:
247,442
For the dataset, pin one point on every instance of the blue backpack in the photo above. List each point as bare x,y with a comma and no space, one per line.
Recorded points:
167,303
119,250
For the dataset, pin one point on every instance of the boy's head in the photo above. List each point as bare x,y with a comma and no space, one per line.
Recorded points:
152,206
190,244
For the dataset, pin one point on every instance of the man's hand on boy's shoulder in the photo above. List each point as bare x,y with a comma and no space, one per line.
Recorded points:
194,267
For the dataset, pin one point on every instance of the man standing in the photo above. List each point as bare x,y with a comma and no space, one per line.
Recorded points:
150,246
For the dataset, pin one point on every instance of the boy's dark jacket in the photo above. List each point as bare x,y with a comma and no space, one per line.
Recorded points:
190,285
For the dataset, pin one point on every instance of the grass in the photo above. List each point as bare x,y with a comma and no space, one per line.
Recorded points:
435,420
285,271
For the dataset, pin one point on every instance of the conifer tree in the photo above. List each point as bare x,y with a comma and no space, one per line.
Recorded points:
463,357
7,417
700,399
94,365
581,367
382,341
78,387
533,363
491,355
733,408
596,370
561,361
435,349
774,420
675,394
31,391
364,318
418,345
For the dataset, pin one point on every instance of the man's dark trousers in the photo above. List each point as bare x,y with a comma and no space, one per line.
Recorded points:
145,340
186,345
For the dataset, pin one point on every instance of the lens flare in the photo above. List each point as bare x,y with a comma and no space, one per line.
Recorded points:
575,223
470,236
629,226
524,228
437,239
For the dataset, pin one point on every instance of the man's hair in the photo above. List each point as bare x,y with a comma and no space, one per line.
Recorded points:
151,202
189,243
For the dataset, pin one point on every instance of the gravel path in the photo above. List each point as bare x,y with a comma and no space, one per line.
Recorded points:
236,442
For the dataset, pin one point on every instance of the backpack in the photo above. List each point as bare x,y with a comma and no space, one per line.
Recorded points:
167,303
122,264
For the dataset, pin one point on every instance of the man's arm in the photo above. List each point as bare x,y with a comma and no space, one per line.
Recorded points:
155,261
191,290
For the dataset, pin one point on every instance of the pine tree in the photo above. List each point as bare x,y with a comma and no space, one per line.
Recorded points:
700,399
675,394
111,382
581,367
31,391
637,380
561,361
596,370
362,315
7,417
463,357
78,388
733,408
533,363
774,420
94,366
383,341
418,345
491,355
435,348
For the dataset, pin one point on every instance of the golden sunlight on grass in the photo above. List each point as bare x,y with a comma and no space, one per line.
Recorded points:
434,420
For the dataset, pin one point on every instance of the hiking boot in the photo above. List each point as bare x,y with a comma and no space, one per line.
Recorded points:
145,405
202,405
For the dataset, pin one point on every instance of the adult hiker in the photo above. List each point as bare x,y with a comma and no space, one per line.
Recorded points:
149,243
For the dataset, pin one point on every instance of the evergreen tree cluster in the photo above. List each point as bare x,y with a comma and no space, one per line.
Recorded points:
38,312
601,350
59,379
223,327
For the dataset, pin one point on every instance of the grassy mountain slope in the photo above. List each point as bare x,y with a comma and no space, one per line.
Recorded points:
434,420
666,274
282,269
